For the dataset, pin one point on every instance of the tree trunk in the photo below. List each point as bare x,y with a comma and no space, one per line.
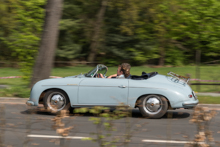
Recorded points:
96,32
45,58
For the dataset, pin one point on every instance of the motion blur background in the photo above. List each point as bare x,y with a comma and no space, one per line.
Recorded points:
172,35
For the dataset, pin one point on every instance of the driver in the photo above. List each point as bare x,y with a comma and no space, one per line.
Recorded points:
122,72
119,74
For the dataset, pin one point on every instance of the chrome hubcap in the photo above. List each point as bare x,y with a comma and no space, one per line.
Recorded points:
152,105
56,102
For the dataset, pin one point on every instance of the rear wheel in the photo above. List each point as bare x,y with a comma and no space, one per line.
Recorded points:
56,100
153,106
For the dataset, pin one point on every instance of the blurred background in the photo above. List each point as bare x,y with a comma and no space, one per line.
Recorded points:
151,35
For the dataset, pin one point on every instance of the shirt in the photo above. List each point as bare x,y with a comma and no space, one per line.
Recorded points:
120,77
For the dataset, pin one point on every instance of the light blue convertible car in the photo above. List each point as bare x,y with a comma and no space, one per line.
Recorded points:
152,93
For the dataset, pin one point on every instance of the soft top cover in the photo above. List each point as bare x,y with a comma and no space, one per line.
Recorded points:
144,76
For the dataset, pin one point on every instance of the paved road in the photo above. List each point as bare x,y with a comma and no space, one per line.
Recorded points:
19,127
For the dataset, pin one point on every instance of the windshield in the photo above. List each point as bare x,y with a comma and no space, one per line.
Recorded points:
98,69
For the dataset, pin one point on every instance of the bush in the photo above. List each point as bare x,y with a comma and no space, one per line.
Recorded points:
15,91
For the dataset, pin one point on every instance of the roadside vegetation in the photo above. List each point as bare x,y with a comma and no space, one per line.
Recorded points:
166,32
209,100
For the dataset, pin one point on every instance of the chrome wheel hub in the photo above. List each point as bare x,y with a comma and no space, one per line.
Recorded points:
152,105
57,102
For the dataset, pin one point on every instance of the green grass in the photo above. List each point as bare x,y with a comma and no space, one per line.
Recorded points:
209,100
18,86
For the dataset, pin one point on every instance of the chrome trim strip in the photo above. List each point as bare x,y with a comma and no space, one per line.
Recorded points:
96,86
62,85
148,87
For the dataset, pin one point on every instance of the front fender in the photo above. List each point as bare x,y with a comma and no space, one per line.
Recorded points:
35,93
68,85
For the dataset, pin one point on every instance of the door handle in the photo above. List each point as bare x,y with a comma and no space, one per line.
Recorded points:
122,86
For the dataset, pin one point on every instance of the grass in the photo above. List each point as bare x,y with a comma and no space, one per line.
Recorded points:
209,100
18,86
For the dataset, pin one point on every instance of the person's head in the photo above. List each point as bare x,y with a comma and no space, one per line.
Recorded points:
125,69
119,72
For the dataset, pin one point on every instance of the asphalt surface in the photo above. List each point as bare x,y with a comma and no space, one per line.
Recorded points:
26,126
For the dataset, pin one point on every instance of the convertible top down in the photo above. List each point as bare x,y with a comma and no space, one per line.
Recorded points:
151,92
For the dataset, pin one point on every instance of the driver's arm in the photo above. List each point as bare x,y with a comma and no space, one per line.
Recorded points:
115,75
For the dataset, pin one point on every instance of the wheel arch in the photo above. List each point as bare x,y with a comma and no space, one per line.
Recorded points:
45,91
136,103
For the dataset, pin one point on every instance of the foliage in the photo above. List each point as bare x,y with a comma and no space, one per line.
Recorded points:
202,117
134,31
70,44
24,39
15,91
105,125
139,31
7,25
60,126
176,60
199,29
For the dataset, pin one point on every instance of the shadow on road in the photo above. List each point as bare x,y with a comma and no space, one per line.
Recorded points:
135,113
168,115
178,115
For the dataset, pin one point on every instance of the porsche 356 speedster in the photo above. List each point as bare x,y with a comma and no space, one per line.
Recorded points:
151,92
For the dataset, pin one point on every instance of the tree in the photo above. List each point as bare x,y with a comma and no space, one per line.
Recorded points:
200,21
127,36
44,61
22,29
139,32
96,32
7,25
71,36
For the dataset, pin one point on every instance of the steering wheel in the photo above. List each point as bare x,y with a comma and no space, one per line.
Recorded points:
98,75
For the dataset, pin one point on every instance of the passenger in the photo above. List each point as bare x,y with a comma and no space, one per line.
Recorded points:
125,68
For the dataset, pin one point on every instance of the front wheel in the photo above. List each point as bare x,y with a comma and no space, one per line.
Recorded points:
56,100
153,106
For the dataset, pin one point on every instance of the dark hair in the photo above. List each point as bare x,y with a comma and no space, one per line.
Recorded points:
125,68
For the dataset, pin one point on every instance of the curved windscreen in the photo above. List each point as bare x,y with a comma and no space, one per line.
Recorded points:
102,69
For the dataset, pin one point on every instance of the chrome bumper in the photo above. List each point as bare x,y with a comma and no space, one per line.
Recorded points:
190,104
30,103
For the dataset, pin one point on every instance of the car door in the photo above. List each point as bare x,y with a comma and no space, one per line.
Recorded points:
102,91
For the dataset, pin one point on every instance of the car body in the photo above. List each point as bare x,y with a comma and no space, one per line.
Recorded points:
153,95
